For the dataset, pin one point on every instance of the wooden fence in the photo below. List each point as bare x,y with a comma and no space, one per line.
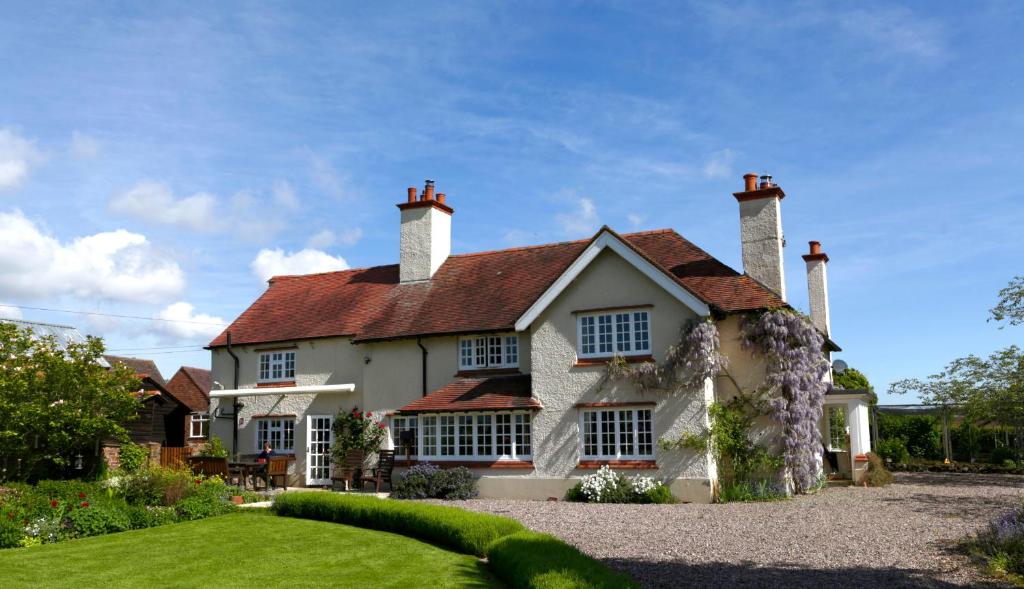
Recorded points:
170,456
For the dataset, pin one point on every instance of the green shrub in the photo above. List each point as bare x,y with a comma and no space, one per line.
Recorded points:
747,492
877,475
539,561
453,528
156,485
608,486
132,457
96,520
213,448
1001,454
202,506
894,450
147,516
428,481
11,532
1009,463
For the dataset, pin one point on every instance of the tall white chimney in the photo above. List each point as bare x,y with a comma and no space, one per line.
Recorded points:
426,240
761,231
817,287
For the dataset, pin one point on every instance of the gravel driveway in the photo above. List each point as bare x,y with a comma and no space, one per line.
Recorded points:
898,536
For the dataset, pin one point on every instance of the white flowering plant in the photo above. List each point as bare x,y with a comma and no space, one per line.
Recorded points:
608,486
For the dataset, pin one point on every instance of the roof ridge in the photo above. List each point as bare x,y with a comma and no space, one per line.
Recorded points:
346,270
555,244
13,320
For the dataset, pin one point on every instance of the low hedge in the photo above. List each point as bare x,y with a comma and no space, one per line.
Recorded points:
529,560
517,556
457,529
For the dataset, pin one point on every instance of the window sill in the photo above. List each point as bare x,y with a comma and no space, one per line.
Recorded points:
495,464
271,385
615,404
620,464
606,359
487,372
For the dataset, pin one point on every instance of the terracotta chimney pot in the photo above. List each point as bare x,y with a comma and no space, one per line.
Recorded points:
412,194
749,182
440,197
428,192
815,247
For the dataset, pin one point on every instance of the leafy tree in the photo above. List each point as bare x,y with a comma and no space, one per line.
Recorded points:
851,378
56,403
1011,303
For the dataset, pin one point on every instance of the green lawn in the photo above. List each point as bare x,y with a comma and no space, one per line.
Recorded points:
242,550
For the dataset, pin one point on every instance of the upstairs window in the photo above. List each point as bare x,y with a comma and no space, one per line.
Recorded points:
489,351
625,333
277,366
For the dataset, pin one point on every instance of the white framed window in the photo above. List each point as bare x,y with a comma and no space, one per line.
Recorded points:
602,334
400,424
836,428
476,436
279,431
277,366
619,433
489,351
199,425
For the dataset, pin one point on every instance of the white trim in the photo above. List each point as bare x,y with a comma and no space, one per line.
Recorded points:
303,390
271,364
607,240
597,411
598,353
474,434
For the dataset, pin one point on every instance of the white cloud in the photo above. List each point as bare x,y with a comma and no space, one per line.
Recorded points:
155,202
321,239
17,158
284,195
581,222
9,312
115,265
275,262
635,220
84,146
350,236
327,178
719,164
180,321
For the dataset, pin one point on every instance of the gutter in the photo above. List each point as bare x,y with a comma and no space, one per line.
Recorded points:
282,391
419,343
235,405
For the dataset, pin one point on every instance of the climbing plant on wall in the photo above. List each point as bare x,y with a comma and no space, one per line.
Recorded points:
688,362
794,388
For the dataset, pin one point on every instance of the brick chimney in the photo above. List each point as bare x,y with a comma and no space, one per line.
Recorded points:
817,287
761,231
426,239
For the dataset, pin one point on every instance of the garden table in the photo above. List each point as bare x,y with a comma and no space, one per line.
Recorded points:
247,468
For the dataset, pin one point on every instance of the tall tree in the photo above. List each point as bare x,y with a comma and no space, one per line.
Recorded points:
1011,303
57,402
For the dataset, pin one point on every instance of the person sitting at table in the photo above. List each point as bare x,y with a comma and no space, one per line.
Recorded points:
267,452
263,459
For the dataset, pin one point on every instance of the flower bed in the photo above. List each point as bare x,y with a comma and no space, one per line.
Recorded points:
1001,545
608,486
428,481
53,511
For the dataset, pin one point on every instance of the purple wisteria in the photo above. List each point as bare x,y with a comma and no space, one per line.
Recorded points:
688,363
794,385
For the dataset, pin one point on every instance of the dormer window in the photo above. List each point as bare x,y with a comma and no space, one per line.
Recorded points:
622,332
489,351
277,366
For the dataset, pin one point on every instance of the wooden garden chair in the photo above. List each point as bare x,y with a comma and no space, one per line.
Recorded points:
382,472
277,469
346,472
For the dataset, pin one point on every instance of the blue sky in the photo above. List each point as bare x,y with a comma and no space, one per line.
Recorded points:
157,161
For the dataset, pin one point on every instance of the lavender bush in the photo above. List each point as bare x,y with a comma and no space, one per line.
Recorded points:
794,388
1001,544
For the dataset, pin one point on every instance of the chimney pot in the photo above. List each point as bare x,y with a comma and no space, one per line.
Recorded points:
412,194
766,181
428,190
440,197
749,182
815,247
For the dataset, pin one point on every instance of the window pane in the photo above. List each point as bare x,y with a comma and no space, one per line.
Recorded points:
503,427
264,366
622,332
447,427
608,433
512,350
430,435
641,332
522,434
626,432
289,435
289,365
604,334
466,353
590,433
494,351
481,352
465,435
837,428
587,345
483,435
645,439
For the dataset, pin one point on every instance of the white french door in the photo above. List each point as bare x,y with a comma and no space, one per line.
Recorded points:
318,449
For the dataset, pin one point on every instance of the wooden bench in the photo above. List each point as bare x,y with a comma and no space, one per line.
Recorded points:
382,472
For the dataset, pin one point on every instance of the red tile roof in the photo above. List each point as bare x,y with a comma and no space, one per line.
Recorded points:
141,367
478,394
469,293
192,387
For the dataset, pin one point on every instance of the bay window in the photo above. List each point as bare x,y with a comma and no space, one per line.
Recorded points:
476,436
277,366
622,332
617,434
489,351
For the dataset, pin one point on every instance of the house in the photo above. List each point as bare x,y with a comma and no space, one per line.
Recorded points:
497,360
192,387
162,416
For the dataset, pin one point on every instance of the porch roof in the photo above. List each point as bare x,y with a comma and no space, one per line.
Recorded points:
478,394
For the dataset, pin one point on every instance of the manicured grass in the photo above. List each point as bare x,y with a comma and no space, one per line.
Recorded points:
243,549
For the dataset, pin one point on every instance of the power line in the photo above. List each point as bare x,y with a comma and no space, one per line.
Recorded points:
113,315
